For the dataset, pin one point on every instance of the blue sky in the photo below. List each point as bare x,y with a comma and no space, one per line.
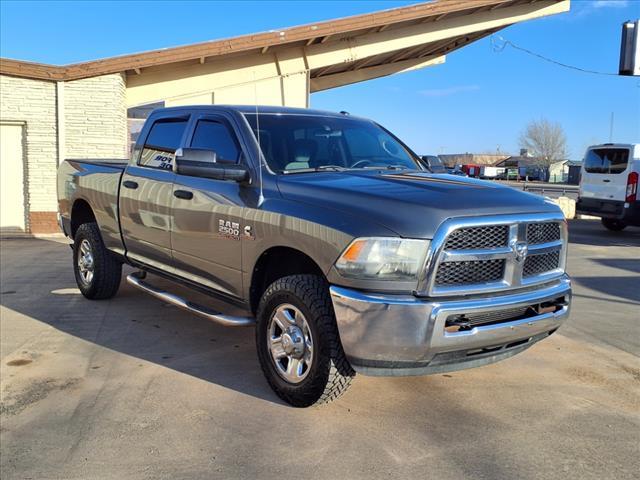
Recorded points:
478,101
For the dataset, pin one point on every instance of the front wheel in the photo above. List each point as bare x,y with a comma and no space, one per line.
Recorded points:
613,225
298,342
97,272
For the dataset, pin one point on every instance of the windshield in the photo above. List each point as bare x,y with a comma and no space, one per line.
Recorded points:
292,142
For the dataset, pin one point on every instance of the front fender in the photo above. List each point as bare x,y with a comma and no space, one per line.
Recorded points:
322,234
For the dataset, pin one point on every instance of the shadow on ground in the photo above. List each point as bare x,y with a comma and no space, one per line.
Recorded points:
592,232
132,322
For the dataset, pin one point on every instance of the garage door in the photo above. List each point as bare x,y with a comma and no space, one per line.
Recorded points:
12,213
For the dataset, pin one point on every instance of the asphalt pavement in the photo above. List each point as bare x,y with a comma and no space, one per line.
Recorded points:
131,388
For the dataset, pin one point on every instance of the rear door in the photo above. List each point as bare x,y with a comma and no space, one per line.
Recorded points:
146,192
604,173
208,226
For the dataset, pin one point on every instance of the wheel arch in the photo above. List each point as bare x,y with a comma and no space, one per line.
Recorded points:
81,212
277,262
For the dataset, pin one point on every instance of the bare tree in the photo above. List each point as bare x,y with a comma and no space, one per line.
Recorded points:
545,140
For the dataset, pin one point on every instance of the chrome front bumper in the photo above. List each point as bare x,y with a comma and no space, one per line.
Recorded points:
405,335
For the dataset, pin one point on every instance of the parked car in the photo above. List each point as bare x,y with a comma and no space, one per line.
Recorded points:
491,172
609,184
471,170
329,235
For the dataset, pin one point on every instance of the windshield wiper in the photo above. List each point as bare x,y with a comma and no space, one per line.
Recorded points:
321,168
387,167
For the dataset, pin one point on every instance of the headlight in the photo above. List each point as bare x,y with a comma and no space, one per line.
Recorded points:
383,259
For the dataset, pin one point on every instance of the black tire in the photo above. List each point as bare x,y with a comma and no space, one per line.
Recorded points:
330,374
107,270
613,225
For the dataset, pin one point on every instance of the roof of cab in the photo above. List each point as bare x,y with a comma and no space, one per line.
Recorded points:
261,109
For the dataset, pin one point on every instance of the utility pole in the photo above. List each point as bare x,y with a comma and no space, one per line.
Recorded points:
611,129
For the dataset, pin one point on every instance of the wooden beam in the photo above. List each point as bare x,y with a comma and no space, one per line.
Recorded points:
137,70
265,48
323,71
404,54
18,68
435,47
363,63
454,44
325,38
202,60
354,76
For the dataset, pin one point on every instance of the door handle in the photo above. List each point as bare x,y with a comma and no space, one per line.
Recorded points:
184,194
130,184
606,180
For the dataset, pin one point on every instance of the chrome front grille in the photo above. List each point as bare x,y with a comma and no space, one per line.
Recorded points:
496,253
484,318
543,232
478,237
470,272
537,264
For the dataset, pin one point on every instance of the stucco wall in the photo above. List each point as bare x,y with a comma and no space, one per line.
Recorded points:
266,79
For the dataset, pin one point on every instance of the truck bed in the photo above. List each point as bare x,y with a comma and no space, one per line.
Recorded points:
96,182
120,163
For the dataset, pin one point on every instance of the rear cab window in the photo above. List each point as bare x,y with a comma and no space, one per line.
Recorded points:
165,137
606,160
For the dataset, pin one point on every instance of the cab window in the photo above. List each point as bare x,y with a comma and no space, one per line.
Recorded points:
159,150
216,136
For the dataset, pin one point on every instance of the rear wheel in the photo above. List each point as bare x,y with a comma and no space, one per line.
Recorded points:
613,225
298,343
97,272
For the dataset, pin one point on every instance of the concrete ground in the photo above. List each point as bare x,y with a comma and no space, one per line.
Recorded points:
130,388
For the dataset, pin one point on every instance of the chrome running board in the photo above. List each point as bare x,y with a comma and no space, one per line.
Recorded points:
137,281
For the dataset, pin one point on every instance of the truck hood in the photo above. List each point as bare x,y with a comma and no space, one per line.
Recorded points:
412,204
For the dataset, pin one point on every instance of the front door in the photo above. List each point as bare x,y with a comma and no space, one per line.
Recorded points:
146,193
207,227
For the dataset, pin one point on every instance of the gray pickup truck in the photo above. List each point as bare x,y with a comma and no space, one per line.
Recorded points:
329,235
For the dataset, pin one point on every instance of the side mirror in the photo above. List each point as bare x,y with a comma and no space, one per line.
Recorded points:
196,162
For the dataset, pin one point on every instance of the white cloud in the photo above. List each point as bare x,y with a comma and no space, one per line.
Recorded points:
444,92
610,3
587,8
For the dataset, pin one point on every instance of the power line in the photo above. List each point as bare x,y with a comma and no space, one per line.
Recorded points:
504,43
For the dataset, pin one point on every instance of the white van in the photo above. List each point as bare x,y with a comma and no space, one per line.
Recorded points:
609,184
